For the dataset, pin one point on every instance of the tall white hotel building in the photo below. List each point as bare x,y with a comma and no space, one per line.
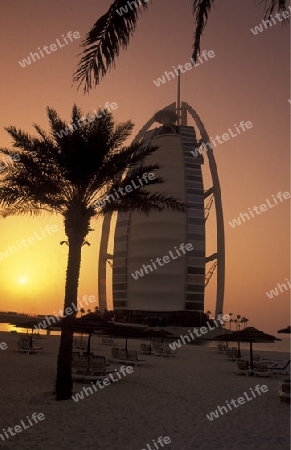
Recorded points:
179,285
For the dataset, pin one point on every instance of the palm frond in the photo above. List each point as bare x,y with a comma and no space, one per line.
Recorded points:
134,179
272,5
56,124
108,35
21,139
143,202
113,30
118,163
76,113
23,211
68,176
42,133
201,10
120,134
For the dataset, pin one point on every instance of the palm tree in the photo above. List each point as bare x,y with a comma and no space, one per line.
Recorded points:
208,313
238,322
67,175
230,320
244,320
112,32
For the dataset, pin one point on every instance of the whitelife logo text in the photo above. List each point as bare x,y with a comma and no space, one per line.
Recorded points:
203,330
166,259
259,209
24,243
188,66
128,188
243,126
241,401
275,292
53,47
36,417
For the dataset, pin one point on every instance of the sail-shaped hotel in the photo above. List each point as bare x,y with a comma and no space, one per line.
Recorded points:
144,285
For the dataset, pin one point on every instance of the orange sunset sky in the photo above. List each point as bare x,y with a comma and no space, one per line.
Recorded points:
247,80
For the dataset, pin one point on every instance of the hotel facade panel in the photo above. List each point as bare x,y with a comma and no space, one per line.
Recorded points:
139,240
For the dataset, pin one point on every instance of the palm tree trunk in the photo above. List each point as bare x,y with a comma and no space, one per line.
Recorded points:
64,384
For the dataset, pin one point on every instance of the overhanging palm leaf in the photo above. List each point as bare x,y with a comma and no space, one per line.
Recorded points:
272,5
67,175
201,10
112,32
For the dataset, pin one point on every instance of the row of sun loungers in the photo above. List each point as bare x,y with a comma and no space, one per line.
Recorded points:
89,368
262,368
26,345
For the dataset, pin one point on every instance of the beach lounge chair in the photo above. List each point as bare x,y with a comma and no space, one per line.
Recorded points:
115,353
279,367
122,356
232,354
145,349
169,353
25,345
79,344
162,349
243,368
78,360
97,370
107,341
133,358
261,370
79,369
284,390
98,367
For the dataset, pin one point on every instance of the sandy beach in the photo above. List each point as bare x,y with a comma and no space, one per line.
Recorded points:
166,397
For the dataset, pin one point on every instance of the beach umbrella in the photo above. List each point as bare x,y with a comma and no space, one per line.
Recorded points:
31,324
250,335
148,332
28,325
285,330
162,334
90,324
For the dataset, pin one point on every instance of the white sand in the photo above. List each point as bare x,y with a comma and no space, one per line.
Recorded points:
164,398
